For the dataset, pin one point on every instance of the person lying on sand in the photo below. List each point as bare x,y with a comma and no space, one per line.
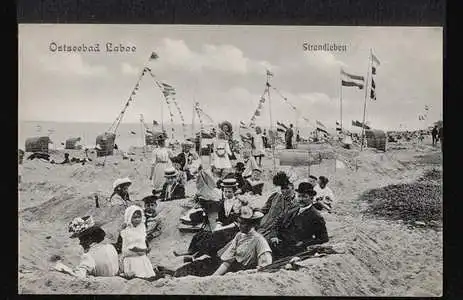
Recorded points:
248,249
172,189
279,203
254,185
120,195
300,227
39,155
325,196
99,259
135,263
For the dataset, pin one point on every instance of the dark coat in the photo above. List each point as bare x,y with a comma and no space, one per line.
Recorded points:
291,228
221,217
177,193
254,189
182,159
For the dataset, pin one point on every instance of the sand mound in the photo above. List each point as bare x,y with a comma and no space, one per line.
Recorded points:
419,201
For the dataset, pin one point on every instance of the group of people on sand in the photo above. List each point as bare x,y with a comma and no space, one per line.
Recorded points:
245,236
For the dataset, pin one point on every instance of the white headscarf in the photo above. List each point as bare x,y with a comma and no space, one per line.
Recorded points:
140,230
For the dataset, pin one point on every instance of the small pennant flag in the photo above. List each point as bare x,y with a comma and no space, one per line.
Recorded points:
372,94
155,123
373,84
426,107
375,59
270,74
133,132
154,56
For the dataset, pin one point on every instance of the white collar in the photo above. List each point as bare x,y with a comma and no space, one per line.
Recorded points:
303,209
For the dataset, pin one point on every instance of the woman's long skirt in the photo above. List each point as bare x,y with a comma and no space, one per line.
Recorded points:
158,176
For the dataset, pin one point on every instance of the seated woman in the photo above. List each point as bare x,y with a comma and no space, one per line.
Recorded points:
134,247
99,259
254,185
172,189
209,242
249,249
120,195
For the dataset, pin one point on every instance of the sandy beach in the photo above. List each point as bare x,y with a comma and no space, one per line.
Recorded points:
383,258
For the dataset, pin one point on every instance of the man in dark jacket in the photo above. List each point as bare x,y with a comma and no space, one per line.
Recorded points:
300,227
435,135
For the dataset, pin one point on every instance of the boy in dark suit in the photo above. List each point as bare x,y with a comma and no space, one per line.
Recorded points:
300,227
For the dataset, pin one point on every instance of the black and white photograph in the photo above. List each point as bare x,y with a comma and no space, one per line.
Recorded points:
230,160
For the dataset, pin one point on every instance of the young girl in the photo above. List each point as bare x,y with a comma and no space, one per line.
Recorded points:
134,248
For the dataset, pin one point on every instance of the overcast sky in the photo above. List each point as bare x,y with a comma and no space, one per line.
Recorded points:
224,68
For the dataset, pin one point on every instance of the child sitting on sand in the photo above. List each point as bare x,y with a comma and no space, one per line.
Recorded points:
135,263
151,221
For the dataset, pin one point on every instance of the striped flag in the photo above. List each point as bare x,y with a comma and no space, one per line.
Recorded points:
243,125
338,126
351,80
359,124
321,127
374,65
281,127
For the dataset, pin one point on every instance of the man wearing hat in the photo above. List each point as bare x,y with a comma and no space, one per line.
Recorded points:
300,227
99,259
172,189
248,249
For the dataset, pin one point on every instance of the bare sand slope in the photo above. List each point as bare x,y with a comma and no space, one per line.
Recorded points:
383,258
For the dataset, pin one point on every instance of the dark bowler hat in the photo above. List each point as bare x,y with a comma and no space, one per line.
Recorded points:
150,199
306,188
229,182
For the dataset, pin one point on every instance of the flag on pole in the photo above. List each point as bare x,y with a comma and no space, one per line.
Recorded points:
374,65
351,80
270,74
338,126
154,56
375,59
359,124
155,123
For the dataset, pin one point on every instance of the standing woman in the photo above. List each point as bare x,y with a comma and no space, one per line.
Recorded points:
258,146
161,160
134,247
220,156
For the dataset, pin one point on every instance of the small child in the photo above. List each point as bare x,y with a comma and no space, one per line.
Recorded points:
253,184
151,222
135,262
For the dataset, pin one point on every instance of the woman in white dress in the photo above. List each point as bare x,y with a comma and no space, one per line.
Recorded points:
220,156
161,160
258,150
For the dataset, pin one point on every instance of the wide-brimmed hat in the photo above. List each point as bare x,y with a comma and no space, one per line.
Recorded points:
306,188
226,123
170,172
229,182
121,181
247,213
187,144
82,225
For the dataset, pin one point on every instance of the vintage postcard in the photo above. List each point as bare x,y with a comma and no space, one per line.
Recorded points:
230,160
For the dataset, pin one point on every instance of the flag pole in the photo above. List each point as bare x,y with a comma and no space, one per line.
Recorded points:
365,102
340,102
271,121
